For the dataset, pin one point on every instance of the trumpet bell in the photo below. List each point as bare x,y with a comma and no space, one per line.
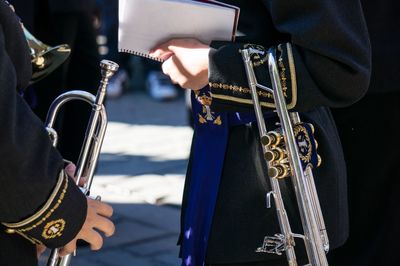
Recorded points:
45,59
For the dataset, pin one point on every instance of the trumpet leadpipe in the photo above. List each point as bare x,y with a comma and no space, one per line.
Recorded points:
93,140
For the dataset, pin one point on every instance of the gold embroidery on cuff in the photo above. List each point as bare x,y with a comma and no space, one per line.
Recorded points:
53,229
240,100
29,238
238,89
268,95
282,75
43,209
292,76
36,216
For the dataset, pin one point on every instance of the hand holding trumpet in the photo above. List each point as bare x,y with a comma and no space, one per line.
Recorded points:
97,219
98,214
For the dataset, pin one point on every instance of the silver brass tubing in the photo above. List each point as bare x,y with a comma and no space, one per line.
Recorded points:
283,219
305,196
315,236
317,208
93,140
108,69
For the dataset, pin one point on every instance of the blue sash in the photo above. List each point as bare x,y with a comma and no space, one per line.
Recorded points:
212,132
209,146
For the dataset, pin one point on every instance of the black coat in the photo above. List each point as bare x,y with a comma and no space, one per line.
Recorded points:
35,195
331,54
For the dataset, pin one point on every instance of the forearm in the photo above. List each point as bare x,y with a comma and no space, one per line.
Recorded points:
35,194
330,56
58,220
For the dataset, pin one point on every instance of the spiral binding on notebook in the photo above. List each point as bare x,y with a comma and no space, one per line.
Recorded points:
141,54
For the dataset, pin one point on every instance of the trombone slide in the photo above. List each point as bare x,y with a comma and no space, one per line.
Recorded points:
315,237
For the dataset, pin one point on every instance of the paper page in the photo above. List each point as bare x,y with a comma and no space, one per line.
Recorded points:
147,23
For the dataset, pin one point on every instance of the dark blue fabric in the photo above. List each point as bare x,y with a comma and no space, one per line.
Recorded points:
208,156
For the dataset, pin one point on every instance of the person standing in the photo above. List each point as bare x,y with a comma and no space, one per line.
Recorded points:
324,61
40,205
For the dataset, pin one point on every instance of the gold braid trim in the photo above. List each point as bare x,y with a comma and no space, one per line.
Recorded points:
293,79
31,239
268,95
45,208
240,100
282,75
238,89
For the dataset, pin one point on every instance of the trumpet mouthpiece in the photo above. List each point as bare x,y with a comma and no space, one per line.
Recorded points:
108,68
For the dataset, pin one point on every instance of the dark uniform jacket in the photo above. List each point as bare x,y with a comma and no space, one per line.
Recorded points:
324,48
39,204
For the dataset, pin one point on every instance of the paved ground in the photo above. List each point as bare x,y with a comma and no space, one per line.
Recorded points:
141,173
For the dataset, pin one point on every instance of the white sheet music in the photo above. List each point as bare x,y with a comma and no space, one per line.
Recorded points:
143,24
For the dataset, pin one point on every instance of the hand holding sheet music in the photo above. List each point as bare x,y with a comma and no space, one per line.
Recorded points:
144,24
185,62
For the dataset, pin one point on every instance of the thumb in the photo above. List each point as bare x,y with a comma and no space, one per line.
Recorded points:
70,169
162,53
169,48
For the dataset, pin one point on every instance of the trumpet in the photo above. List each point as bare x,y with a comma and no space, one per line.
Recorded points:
93,140
282,154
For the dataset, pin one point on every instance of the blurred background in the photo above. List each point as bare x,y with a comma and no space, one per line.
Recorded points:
144,156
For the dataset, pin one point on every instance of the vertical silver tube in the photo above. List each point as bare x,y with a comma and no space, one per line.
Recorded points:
280,208
94,136
108,69
315,236
313,242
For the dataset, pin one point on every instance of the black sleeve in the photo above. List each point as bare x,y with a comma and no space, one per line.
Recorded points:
37,200
325,63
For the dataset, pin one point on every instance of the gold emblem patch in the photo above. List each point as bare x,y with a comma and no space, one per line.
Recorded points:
303,143
207,116
53,229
